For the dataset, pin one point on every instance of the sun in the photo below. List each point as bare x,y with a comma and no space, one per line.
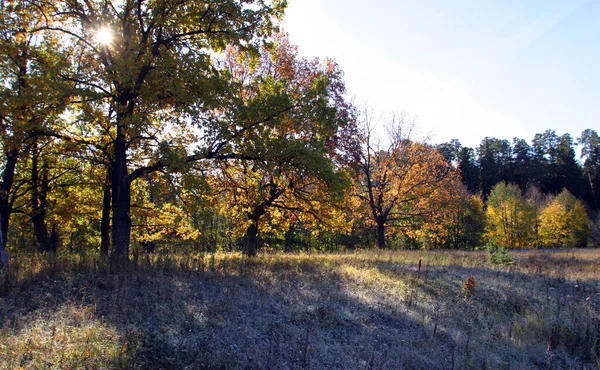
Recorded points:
103,36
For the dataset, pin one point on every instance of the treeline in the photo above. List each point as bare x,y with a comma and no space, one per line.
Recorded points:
538,194
549,163
197,126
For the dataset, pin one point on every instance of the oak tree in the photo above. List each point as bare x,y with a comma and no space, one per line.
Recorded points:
31,96
396,184
155,69
306,128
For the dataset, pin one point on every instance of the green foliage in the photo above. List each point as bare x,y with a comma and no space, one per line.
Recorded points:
474,220
468,168
465,220
286,125
494,156
498,255
590,150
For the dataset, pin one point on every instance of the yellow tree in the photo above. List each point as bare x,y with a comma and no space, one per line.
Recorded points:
397,185
31,95
457,219
510,218
564,222
160,211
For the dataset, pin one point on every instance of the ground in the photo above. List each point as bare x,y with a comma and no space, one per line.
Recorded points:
360,310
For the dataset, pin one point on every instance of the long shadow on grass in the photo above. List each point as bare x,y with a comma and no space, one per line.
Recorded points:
286,316
306,313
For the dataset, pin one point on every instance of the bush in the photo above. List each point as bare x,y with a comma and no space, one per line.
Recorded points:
468,288
498,255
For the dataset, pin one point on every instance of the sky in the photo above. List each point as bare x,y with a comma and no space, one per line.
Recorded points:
464,69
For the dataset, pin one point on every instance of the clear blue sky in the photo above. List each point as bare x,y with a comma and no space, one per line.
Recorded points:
466,69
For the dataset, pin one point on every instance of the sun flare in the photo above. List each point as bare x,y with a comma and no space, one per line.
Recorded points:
103,36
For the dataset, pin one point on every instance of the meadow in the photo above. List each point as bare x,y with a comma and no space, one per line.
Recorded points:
355,310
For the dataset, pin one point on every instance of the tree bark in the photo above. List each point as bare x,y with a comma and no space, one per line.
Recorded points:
594,190
121,204
39,203
251,236
3,253
251,240
380,234
105,221
8,176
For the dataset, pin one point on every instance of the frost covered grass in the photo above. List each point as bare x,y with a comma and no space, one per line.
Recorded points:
363,310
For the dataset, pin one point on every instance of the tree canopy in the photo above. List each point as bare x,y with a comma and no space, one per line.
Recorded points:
129,124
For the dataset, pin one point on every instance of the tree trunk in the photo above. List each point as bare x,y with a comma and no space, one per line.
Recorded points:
3,253
41,232
251,240
105,222
594,190
39,203
5,188
121,203
380,234
4,276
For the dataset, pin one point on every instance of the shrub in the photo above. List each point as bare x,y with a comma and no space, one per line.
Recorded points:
498,255
468,288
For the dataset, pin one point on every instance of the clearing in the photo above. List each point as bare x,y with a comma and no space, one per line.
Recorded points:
361,310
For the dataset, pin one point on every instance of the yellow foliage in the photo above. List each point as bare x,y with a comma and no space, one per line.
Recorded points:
405,188
154,219
564,222
510,219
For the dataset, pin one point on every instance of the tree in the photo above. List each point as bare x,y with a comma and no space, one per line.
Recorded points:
564,222
595,233
157,69
541,148
554,164
272,196
469,170
590,150
395,185
162,209
450,149
521,164
494,156
538,202
40,182
463,219
297,178
456,221
30,95
566,171
86,140
510,219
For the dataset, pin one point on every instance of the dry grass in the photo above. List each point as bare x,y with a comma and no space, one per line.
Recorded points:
364,310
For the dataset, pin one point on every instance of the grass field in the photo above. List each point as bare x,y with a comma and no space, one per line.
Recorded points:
363,310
